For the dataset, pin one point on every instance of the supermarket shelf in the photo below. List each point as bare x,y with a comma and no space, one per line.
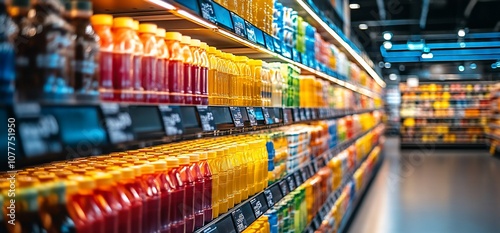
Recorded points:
450,108
457,144
441,99
185,16
328,205
257,205
444,118
457,134
47,132
451,92
444,125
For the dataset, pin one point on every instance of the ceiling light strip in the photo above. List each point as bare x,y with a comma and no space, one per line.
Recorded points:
351,51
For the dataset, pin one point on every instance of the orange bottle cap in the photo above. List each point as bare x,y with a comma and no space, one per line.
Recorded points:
173,36
84,182
103,179
123,22
172,162
204,46
186,40
203,155
101,19
71,186
127,173
212,154
116,174
136,25
193,158
159,165
160,32
147,169
195,43
183,160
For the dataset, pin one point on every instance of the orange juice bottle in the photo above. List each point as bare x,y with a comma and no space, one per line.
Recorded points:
196,70
237,186
147,33
212,76
214,168
245,79
231,186
223,181
83,208
204,67
162,66
102,26
256,67
236,84
207,188
109,204
188,61
175,69
123,56
128,183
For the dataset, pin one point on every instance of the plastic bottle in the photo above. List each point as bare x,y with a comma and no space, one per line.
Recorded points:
256,67
162,66
223,168
147,33
245,79
166,190
175,67
189,187
222,78
195,71
138,86
206,171
204,66
83,208
235,84
212,76
114,213
86,50
238,175
199,188
151,186
128,183
123,57
214,168
176,215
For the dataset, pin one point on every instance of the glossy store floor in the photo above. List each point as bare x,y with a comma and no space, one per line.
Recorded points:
432,191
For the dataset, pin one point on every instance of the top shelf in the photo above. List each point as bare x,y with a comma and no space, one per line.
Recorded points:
187,19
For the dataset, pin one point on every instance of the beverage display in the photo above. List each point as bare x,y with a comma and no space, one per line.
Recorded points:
175,75
124,79
102,25
147,34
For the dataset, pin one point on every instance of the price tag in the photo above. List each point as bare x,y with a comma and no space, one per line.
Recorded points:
243,216
251,116
39,133
277,45
303,116
286,51
239,25
251,32
291,182
259,205
296,115
298,178
237,117
206,118
277,115
303,174
171,119
224,225
323,212
284,187
316,222
118,122
314,114
267,116
207,10
314,167
276,191
269,42
269,198
308,114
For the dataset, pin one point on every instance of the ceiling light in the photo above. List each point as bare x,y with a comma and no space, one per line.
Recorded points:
393,77
494,65
461,68
473,66
427,55
387,45
363,26
354,6
387,35
387,65
461,32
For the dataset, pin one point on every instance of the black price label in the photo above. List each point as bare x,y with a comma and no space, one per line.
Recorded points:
269,42
251,116
323,212
38,132
237,117
118,122
269,198
276,114
314,167
284,187
308,113
239,220
317,222
303,114
251,32
267,116
314,114
276,191
239,25
225,225
298,178
171,116
259,205
277,45
206,118
296,115
303,174
207,10
291,182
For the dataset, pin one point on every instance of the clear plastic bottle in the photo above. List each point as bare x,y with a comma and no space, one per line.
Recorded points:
147,33
257,74
188,72
102,26
138,86
123,55
199,189
176,215
245,80
196,71
189,187
204,66
213,72
162,66
175,67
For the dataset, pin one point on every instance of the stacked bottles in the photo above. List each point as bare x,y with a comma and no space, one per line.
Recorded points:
258,13
277,155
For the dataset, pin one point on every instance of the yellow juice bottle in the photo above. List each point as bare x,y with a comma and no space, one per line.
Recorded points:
237,174
212,162
250,179
223,184
256,67
212,74
223,79
230,178
264,164
244,169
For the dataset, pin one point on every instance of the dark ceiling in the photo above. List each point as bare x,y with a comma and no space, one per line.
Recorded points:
413,20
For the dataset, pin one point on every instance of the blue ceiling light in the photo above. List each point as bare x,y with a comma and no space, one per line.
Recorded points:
461,33
387,35
461,68
494,65
473,66
387,45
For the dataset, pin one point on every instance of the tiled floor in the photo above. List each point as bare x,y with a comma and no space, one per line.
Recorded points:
427,190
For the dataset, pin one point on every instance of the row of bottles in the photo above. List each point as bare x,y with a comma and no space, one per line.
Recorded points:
257,12
296,210
172,188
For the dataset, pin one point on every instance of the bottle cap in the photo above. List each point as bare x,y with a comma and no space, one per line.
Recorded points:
137,170
173,36
193,158
84,182
160,32
255,62
186,40
172,162
103,179
212,49
71,186
195,43
203,45
148,149
112,168
102,19
241,59
203,155
47,177
116,174
159,165
183,160
123,22
127,173
135,28
147,28
147,169
212,154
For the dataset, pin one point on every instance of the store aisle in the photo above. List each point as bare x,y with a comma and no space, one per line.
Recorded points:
427,190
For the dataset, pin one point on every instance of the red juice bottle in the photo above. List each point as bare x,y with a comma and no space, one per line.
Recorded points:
108,202
162,66
151,218
189,185
177,197
187,56
207,188
138,86
175,73
204,64
123,53
82,207
195,71
147,33
133,193
166,190
102,26
121,194
199,187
